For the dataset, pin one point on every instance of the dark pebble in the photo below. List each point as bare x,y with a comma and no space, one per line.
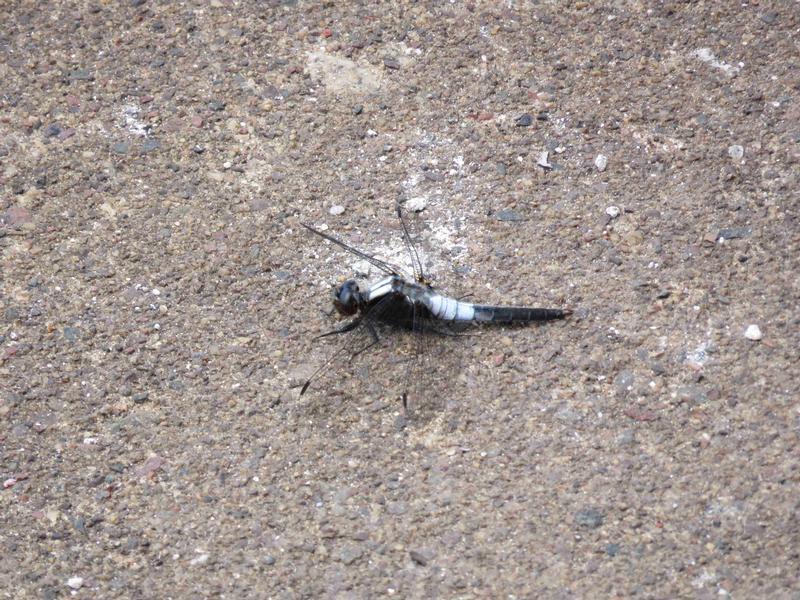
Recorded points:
734,233
692,395
80,524
358,109
770,18
627,437
509,215
390,62
141,397
71,334
349,553
269,560
542,116
524,120
120,148
149,145
434,176
612,549
657,368
589,517
421,557
216,105
396,508
52,130
81,75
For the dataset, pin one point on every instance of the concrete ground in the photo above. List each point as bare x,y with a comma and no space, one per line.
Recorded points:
637,162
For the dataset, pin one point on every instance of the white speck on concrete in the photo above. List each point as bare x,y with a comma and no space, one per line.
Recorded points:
130,114
601,162
542,160
416,204
613,211
706,55
75,583
753,332
736,152
336,210
699,356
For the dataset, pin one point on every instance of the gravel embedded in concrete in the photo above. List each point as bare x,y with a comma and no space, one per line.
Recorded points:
642,448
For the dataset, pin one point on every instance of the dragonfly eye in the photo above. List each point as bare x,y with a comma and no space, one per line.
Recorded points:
346,298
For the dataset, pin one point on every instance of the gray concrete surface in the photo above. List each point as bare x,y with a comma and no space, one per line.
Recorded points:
158,299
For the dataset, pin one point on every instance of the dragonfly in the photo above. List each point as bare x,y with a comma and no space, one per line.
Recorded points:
398,301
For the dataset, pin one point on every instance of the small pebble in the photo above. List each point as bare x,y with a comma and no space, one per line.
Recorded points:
416,204
736,152
52,130
421,557
524,120
120,148
542,160
336,210
509,214
591,518
613,211
199,560
150,144
75,582
753,332
601,162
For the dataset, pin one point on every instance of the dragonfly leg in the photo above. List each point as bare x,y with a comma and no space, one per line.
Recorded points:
375,339
343,329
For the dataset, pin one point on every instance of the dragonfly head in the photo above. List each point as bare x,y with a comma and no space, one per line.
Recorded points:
347,298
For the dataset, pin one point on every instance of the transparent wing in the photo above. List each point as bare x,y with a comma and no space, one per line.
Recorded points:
384,266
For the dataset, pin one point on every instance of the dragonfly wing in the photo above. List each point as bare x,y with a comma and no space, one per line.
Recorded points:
384,266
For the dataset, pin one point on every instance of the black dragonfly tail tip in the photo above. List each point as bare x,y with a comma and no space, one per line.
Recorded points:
518,314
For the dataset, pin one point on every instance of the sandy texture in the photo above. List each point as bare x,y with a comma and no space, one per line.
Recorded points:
639,163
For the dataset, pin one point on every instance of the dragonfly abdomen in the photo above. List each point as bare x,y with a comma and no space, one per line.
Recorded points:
450,309
517,314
